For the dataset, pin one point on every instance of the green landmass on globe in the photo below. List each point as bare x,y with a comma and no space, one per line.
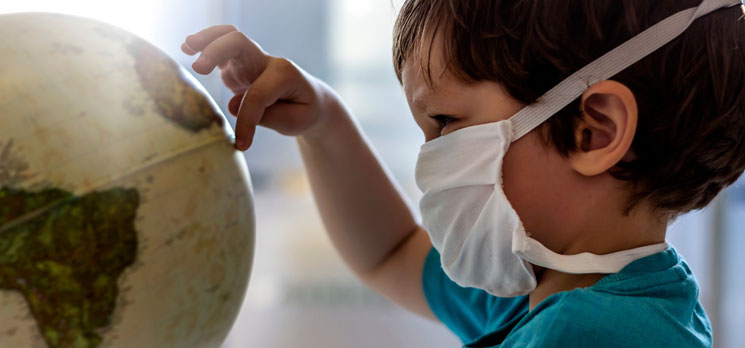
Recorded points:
64,254
175,97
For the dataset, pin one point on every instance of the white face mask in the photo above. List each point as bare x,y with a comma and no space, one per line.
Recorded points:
480,237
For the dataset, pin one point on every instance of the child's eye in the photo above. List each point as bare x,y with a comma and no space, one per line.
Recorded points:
443,119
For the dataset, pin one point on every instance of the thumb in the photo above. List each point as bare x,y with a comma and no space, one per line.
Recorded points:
234,104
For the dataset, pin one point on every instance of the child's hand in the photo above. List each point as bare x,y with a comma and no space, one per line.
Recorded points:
269,91
363,210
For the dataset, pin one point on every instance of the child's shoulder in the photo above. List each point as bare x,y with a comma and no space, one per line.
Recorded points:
652,302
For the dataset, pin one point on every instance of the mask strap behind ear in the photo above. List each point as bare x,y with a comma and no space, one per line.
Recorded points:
609,65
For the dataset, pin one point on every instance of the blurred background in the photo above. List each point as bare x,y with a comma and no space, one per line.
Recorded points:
301,293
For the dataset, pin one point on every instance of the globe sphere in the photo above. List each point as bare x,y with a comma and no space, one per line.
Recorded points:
126,216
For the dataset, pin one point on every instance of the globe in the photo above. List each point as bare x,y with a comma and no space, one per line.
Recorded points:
126,216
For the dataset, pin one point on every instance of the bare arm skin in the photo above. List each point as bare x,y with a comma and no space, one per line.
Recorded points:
362,208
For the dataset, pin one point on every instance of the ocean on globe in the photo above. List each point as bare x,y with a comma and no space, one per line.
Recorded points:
126,216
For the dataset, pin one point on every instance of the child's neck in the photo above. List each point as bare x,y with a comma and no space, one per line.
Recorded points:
628,234
553,281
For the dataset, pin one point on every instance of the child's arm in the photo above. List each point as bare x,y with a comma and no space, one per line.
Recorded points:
363,210
364,213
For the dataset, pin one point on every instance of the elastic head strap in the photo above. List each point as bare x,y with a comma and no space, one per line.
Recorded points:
609,65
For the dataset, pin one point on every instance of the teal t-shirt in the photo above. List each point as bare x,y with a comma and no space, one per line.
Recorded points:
652,302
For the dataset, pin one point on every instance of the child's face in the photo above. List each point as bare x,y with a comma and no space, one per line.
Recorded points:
539,183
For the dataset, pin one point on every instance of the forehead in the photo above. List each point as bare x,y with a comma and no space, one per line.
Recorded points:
425,74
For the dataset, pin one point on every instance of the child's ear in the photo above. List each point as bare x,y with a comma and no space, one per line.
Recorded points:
606,129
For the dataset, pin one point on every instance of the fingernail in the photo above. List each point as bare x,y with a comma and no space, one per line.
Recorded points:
201,59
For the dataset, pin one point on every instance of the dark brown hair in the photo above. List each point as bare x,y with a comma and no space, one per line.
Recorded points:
690,137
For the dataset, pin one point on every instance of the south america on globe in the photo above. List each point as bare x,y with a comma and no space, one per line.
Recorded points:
126,215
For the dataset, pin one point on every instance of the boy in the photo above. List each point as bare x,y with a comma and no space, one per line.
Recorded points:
562,138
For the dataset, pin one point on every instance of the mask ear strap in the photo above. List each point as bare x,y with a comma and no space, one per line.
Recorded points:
609,65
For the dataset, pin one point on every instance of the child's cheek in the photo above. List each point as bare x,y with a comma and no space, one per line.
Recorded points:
535,180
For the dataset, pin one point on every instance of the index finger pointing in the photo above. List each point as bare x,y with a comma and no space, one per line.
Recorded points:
268,88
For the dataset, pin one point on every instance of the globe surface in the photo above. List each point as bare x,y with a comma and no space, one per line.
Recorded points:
126,216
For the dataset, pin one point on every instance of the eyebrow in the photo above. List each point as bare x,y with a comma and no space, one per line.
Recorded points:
419,99
428,98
